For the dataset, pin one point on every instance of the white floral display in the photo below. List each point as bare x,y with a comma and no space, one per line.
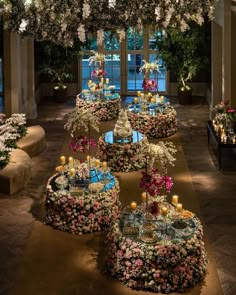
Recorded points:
79,118
103,110
96,58
58,20
11,130
149,67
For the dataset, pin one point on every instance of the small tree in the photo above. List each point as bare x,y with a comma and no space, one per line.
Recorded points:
185,53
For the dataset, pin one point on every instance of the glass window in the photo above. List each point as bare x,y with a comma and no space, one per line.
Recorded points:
134,40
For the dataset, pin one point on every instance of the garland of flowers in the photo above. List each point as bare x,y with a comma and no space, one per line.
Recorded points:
62,21
165,268
159,126
86,213
11,130
104,110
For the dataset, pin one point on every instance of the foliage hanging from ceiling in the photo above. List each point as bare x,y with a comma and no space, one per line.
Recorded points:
62,21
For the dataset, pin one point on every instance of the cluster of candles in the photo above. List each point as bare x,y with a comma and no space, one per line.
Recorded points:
90,82
221,131
153,99
71,162
164,209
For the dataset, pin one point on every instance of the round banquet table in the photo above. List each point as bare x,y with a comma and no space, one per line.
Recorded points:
157,121
106,108
122,156
83,211
170,264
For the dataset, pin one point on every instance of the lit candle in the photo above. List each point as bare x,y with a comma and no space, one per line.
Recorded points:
104,165
71,161
153,100
164,211
139,93
63,160
162,98
97,163
179,207
90,82
72,172
88,158
133,205
144,196
135,100
175,199
149,94
102,80
107,81
234,140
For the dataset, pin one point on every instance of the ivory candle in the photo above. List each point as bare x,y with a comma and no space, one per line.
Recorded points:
133,205
97,163
71,161
72,172
164,211
153,100
175,199
88,158
104,165
63,160
139,93
179,207
102,80
107,80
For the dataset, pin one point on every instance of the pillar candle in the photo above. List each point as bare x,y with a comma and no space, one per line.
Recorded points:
72,172
164,211
175,199
144,196
71,161
63,160
133,205
179,207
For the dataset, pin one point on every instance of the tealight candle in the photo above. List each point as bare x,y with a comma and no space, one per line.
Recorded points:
133,205
72,172
144,196
179,207
63,160
175,199
164,211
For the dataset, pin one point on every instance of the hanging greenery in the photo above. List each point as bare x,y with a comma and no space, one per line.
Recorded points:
61,21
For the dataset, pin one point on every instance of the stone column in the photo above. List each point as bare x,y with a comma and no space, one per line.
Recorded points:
233,58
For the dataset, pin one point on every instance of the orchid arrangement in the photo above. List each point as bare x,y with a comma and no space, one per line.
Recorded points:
225,114
99,73
64,21
81,144
150,85
11,130
153,182
79,118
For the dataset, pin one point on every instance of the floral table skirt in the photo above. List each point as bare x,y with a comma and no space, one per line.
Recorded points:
167,267
84,213
122,157
105,110
157,126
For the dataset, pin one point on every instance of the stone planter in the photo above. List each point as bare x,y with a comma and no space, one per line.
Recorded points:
185,95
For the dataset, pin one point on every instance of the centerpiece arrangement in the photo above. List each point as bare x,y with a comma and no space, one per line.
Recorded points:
157,246
83,196
11,130
150,113
100,97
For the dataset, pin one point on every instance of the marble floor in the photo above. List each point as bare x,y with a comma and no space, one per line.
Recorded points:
216,190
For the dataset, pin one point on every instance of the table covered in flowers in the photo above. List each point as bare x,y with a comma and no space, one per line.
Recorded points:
84,208
156,121
122,156
161,254
105,108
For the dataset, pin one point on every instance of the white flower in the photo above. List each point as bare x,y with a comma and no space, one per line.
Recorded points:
149,67
86,10
158,13
23,25
81,33
111,3
121,33
97,58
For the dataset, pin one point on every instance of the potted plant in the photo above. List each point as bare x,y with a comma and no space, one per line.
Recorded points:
185,54
55,63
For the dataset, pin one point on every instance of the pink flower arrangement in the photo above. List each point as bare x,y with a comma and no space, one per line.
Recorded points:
150,85
99,73
153,182
81,144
